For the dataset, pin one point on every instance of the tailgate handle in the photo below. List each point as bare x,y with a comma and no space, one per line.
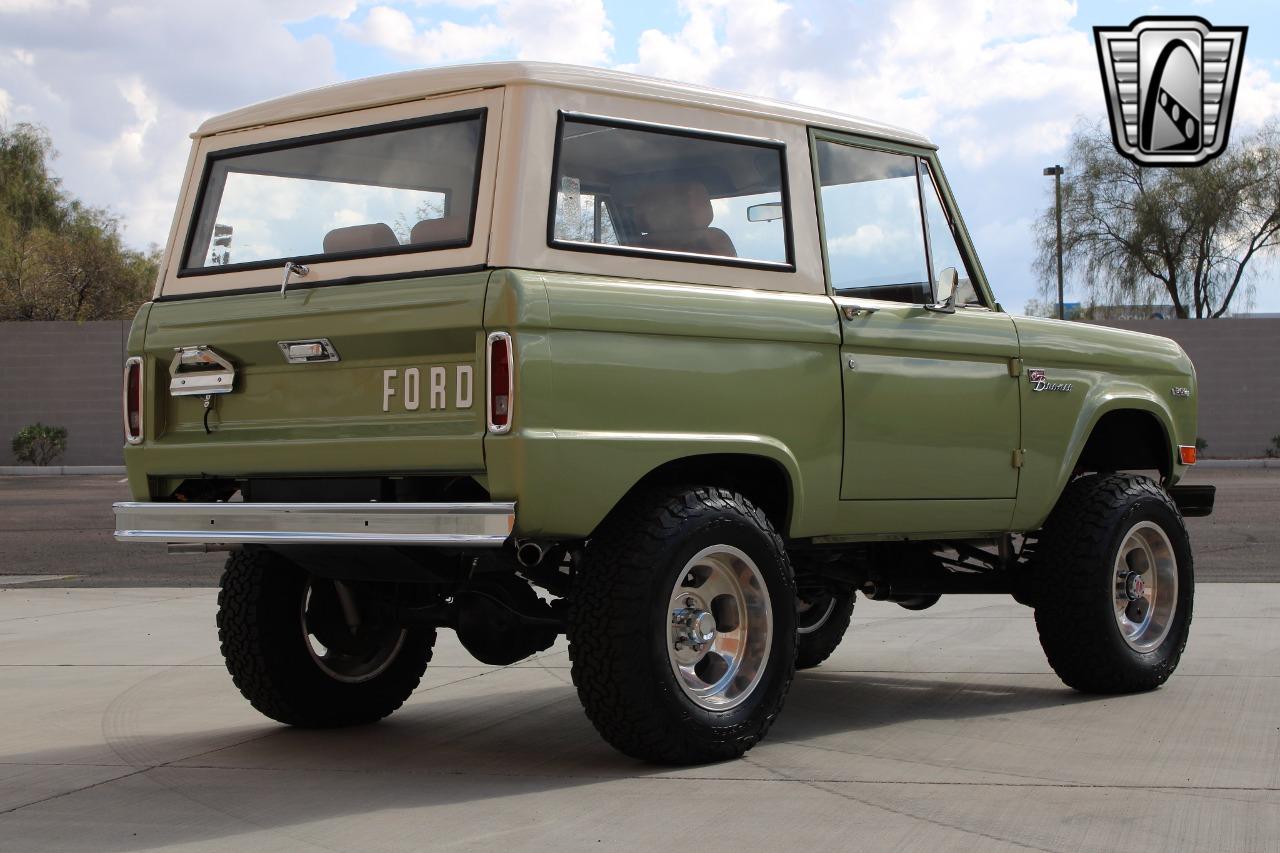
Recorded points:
308,351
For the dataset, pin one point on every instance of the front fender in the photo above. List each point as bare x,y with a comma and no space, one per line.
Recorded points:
1047,471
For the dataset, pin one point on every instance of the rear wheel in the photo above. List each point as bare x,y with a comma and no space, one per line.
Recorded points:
313,652
1114,585
822,620
682,626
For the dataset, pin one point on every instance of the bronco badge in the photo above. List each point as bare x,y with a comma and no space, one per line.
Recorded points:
1039,382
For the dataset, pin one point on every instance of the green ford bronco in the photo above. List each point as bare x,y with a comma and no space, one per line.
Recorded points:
523,350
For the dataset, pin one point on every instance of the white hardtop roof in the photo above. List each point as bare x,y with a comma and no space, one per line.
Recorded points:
410,85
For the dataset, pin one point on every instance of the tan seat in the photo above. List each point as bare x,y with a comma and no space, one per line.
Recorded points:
360,238
448,229
676,216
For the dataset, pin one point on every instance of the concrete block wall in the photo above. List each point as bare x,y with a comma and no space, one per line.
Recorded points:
68,374
1238,367
64,374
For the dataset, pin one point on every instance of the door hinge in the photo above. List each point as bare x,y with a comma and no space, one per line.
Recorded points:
1018,457
1015,367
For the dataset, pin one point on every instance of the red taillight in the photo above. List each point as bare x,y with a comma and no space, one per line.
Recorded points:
1188,452
133,400
500,389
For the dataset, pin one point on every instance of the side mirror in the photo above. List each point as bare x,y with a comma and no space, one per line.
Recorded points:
948,283
767,212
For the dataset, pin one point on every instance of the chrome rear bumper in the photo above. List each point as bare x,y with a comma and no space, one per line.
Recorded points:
483,525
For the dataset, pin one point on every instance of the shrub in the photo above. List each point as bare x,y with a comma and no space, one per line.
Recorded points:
1274,450
1201,444
38,444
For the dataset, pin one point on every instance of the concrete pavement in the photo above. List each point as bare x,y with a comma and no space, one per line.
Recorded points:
942,730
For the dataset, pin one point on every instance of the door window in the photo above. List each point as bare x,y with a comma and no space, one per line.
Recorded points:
871,220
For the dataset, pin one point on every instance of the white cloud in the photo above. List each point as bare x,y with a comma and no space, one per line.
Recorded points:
394,31
1258,98
119,94
575,31
934,65
560,30
7,6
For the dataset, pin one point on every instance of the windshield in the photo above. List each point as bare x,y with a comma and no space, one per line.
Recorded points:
408,186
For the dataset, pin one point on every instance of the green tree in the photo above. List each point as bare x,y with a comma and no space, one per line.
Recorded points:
1145,236
59,258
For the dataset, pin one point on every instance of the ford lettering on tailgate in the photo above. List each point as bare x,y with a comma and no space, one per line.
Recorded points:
404,389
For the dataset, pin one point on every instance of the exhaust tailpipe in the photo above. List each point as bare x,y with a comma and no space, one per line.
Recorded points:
529,554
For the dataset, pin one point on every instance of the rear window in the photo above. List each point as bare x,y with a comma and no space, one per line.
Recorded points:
401,187
640,189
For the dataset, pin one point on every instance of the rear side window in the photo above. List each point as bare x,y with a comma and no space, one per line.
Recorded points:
642,189
407,186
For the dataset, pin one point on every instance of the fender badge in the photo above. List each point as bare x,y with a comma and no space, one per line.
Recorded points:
1039,382
1179,391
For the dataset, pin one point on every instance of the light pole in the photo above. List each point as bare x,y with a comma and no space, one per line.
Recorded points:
1056,171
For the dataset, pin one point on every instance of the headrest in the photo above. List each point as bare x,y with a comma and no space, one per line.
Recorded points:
672,206
445,230
360,238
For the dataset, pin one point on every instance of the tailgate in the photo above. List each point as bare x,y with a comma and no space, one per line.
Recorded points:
406,393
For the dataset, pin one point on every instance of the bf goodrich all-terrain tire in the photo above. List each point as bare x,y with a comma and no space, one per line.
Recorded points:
821,625
288,645
1114,585
682,626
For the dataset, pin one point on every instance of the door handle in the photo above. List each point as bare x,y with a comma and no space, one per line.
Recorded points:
852,311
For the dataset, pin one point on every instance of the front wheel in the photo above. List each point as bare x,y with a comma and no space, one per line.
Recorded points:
682,626
1115,585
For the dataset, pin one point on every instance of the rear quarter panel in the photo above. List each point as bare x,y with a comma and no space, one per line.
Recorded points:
618,376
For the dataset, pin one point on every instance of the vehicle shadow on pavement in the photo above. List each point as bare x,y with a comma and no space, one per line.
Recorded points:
197,784
833,702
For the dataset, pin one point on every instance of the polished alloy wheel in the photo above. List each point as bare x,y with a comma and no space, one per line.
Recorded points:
1145,586
720,627
341,646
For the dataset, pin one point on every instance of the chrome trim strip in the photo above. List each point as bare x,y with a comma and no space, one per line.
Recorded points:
486,525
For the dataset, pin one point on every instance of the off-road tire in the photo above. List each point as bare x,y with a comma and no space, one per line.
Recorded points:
1073,571
265,649
815,646
619,617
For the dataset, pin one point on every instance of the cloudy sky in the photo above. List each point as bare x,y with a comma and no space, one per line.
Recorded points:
997,84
